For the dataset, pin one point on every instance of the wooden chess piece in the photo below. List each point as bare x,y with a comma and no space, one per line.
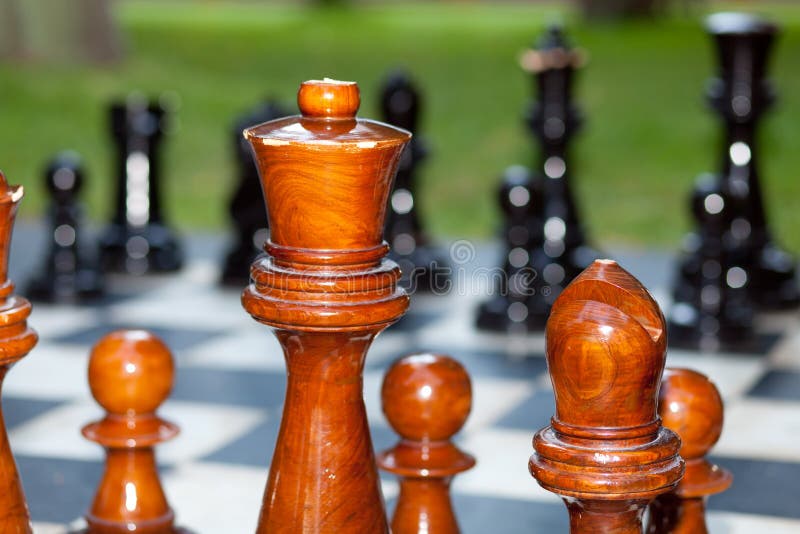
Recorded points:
326,289
520,198
247,206
68,275
690,405
426,399
138,240
606,453
16,340
131,373
422,268
715,311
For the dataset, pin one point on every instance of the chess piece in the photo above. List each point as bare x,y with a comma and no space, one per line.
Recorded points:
421,266
247,207
606,453
137,240
690,404
326,290
555,251
553,119
131,374
740,94
426,399
520,199
16,340
715,311
68,275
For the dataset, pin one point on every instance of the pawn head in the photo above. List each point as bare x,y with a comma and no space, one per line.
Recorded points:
426,397
131,372
690,405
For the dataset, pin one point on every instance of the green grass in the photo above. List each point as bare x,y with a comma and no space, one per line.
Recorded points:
647,136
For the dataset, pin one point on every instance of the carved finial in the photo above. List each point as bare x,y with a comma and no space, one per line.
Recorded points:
605,353
690,405
328,99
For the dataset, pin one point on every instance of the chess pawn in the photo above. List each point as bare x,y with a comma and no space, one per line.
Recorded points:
137,240
520,197
422,268
246,207
690,405
68,275
131,373
606,453
553,119
714,312
16,340
740,94
426,399
326,289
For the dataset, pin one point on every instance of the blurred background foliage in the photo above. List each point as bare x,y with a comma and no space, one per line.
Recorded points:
647,135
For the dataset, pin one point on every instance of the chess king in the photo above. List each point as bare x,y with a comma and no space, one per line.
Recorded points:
326,289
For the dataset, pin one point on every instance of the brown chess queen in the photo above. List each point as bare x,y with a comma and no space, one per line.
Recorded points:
326,290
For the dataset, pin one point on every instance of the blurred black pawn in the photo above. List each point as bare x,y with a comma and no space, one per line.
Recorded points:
137,240
421,266
716,313
741,93
507,310
67,275
247,210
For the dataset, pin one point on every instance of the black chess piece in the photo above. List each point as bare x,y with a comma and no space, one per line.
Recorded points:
740,94
717,312
138,240
520,198
557,251
553,118
422,267
68,275
247,210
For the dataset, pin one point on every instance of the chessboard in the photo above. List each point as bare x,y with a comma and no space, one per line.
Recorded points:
230,385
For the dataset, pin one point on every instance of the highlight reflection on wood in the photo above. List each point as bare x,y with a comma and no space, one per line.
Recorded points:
606,452
327,291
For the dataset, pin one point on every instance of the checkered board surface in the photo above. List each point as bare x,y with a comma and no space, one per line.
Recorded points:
230,386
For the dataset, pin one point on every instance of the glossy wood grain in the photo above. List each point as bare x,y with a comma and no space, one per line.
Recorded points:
606,451
326,290
426,399
690,404
16,340
131,374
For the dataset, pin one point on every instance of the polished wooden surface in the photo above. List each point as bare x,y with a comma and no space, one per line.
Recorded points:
326,290
131,374
426,399
690,404
16,340
606,452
